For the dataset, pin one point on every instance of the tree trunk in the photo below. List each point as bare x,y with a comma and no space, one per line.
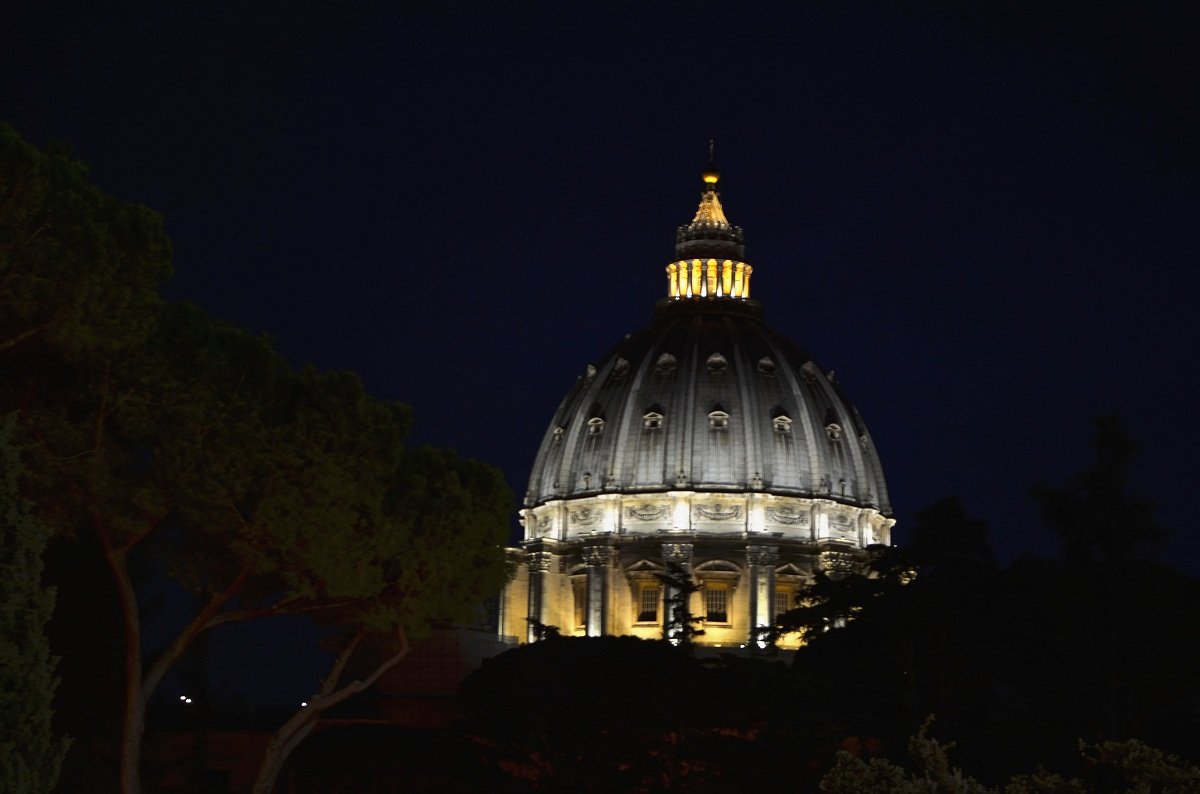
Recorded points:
292,732
133,717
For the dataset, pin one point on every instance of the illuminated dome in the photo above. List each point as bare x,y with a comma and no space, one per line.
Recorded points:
707,397
704,439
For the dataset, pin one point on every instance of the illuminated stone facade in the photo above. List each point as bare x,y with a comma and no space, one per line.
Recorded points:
704,439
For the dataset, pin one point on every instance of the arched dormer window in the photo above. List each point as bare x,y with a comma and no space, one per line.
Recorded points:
558,434
665,364
595,426
782,423
718,420
766,366
620,368
717,363
652,420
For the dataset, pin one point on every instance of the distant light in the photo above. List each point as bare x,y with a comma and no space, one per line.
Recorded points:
303,703
187,700
183,697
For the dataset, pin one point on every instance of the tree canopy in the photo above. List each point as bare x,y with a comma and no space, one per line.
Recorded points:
160,435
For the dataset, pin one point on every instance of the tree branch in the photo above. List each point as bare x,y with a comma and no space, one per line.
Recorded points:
184,639
21,337
282,608
292,732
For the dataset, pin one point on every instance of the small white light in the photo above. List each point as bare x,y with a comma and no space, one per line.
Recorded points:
187,700
303,703
183,697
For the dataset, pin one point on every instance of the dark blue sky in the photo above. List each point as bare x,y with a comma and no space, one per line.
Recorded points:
984,219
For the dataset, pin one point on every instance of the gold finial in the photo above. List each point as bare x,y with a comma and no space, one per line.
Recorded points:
711,174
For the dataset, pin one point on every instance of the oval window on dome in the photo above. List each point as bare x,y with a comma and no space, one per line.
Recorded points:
717,363
766,366
595,426
665,364
718,420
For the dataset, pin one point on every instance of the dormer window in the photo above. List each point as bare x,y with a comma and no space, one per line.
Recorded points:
834,430
782,423
718,420
665,364
717,363
620,367
766,366
652,421
595,426
558,434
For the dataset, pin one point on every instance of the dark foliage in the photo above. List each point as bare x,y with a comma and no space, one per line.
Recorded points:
624,714
30,752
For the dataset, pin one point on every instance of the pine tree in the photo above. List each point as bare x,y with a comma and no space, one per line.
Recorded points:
681,626
30,754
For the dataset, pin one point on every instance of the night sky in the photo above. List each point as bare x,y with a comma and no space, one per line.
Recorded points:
985,221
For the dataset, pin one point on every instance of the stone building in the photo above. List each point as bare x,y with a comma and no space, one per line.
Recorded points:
706,440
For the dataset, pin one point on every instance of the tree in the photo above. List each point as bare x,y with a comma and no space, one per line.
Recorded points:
933,772
1095,516
680,626
637,715
910,632
438,553
79,272
30,753
1126,767
163,434
1105,530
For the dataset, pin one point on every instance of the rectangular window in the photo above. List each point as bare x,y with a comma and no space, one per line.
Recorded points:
785,600
716,604
649,597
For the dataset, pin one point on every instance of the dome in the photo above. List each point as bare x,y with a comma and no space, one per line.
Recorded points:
704,443
707,397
